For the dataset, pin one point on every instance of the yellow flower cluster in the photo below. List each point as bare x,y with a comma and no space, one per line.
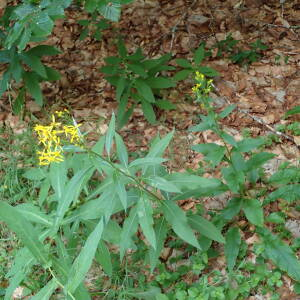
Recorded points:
50,138
202,86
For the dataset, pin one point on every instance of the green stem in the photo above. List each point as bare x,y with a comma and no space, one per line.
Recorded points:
137,182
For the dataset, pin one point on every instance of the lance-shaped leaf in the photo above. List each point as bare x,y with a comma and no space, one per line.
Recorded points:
145,211
176,217
84,260
232,247
25,231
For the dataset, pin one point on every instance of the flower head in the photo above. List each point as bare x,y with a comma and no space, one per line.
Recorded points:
52,137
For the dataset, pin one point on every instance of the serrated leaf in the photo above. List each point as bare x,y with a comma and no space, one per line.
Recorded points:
42,50
232,247
25,231
184,63
181,75
176,217
199,55
287,175
160,82
144,90
249,144
165,104
33,87
206,228
158,148
234,179
212,152
110,9
257,160
84,260
121,85
148,112
227,111
207,71
232,208
110,134
253,211
145,211
281,254
288,192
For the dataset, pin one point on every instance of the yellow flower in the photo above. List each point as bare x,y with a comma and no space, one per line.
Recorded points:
199,76
45,158
72,132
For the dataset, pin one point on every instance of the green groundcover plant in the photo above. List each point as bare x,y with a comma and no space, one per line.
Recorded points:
81,193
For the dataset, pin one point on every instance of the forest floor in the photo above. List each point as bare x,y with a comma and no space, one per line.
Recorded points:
263,90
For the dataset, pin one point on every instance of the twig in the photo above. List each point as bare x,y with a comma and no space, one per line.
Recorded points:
259,120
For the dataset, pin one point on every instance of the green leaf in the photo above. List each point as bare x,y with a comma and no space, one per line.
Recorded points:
228,138
33,214
121,48
161,229
121,85
227,111
183,74
286,175
110,134
257,160
46,292
129,229
253,211
84,260
184,63
289,193
104,259
176,217
281,254
276,217
121,150
165,104
189,181
144,90
71,192
90,5
148,112
25,231
160,82
162,184
35,174
141,162
43,50
110,9
42,24
207,71
234,179
145,211
295,110
232,247
121,192
232,208
212,152
137,69
199,55
160,146
58,177
25,38
206,228
52,74
249,144
33,87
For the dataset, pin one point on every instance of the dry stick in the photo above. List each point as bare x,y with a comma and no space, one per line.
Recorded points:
259,120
